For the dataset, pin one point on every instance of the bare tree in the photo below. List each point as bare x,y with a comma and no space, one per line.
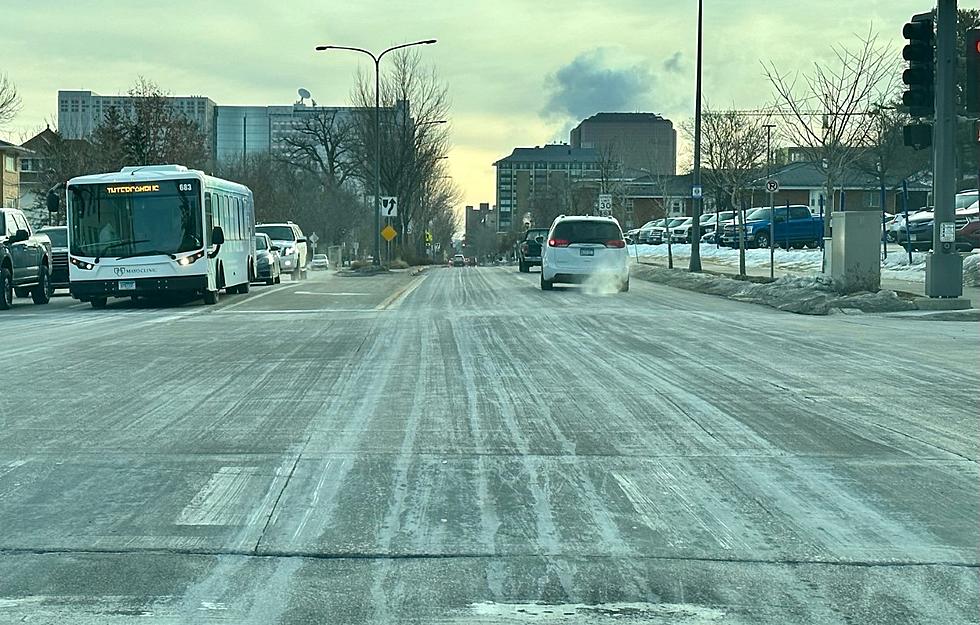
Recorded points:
9,100
158,133
324,145
733,148
887,158
413,96
842,93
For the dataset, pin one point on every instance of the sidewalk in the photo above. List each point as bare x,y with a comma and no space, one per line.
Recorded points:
914,287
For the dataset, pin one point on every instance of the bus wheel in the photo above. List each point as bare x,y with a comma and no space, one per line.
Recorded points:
210,297
99,302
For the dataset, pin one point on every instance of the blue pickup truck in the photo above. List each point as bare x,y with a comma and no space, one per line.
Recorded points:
794,226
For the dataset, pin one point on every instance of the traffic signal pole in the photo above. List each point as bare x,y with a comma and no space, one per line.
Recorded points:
944,265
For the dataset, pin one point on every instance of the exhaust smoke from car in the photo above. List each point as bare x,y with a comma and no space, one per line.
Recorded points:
601,284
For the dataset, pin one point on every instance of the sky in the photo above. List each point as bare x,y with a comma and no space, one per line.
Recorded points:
520,73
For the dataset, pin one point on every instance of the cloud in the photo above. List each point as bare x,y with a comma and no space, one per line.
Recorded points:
592,83
676,63
588,85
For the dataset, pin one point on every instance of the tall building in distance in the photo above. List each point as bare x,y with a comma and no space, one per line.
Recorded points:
231,131
81,112
644,142
539,180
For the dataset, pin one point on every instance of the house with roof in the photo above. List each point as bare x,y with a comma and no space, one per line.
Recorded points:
805,183
10,156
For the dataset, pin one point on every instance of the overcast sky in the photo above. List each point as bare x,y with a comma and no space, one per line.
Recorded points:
520,73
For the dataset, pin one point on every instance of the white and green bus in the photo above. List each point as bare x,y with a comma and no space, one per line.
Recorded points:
158,229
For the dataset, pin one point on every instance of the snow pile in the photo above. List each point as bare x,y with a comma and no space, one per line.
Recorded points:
808,295
897,266
971,270
802,260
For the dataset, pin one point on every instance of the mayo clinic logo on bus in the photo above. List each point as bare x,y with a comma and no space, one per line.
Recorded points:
129,271
132,188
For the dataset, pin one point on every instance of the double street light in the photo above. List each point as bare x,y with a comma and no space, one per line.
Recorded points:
377,128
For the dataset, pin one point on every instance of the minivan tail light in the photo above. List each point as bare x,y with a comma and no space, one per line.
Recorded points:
616,243
559,242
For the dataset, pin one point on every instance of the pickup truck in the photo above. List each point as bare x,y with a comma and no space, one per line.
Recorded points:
794,226
530,250
25,260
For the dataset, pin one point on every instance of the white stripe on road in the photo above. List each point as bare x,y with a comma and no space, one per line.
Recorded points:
255,297
398,297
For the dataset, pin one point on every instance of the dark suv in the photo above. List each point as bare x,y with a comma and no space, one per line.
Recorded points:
59,254
530,249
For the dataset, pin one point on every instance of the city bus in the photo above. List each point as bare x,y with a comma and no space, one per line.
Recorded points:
155,230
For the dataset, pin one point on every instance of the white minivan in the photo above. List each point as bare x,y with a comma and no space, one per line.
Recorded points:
582,248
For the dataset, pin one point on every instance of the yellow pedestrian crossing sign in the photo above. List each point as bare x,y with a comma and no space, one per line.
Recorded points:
389,233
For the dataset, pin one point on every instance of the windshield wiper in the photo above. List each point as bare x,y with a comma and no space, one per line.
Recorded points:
115,245
147,253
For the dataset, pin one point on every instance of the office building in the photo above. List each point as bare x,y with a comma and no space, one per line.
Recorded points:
640,142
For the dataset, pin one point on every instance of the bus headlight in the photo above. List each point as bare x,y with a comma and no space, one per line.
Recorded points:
81,264
187,260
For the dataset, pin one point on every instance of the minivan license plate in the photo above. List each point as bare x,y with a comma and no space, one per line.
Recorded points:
586,251
127,285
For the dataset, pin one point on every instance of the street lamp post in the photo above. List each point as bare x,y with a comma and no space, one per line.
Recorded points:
377,129
694,264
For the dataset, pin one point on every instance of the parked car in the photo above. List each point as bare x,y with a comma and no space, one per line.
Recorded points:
580,247
458,261
529,251
645,232
681,233
288,240
794,226
919,233
630,236
267,266
58,235
659,234
25,260
320,261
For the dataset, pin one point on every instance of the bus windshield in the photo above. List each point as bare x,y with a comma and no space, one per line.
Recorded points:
135,219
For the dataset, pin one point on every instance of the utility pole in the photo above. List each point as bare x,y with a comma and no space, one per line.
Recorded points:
944,265
698,192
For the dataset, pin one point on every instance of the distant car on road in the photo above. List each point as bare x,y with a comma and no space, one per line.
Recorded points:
293,249
58,235
458,261
267,268
320,261
581,247
530,249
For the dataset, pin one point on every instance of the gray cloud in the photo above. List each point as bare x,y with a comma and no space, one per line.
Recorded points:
676,63
592,83
588,85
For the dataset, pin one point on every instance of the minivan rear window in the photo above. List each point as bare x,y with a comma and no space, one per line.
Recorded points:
587,231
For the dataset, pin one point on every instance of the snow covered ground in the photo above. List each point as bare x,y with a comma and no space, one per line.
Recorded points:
805,261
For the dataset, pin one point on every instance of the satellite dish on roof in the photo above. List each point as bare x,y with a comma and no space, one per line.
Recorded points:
304,94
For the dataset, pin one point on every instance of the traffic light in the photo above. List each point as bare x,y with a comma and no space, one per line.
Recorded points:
973,71
919,98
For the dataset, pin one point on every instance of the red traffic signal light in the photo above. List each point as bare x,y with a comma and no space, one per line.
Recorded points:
972,93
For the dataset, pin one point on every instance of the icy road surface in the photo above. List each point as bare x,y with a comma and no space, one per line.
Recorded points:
460,447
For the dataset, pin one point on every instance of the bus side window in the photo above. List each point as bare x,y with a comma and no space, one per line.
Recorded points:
208,220
241,219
